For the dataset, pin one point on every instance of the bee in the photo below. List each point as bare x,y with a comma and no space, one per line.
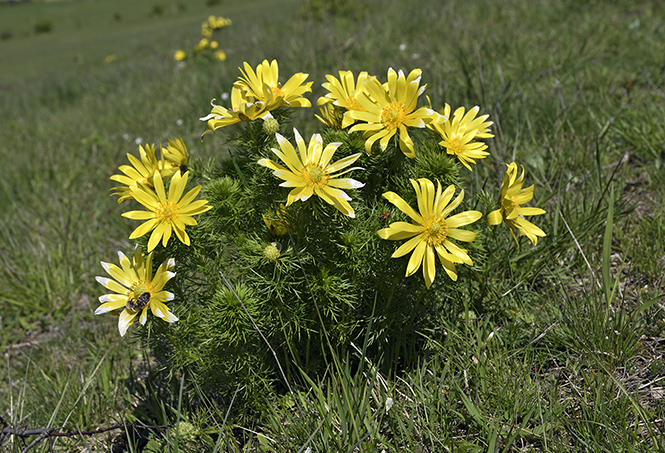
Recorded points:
384,216
140,302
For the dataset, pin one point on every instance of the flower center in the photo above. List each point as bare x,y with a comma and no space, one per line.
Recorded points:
166,211
456,147
436,230
393,115
277,92
314,175
140,298
510,205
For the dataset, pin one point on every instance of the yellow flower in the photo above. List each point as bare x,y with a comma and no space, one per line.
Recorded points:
331,116
431,232
214,45
202,44
263,85
140,172
310,171
344,93
459,133
391,108
512,196
136,290
242,108
179,55
220,55
176,157
166,214
275,220
206,31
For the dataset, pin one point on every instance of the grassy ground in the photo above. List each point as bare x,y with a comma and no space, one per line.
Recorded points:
553,348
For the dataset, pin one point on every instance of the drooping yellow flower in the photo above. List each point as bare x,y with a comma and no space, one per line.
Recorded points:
460,132
343,93
511,198
243,108
263,85
310,171
275,220
164,213
180,55
136,290
176,157
140,172
391,108
431,232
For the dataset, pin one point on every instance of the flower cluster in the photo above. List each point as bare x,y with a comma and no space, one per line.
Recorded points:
256,94
372,128
136,288
208,46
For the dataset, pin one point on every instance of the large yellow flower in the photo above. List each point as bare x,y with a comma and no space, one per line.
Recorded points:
136,290
430,230
511,198
310,171
460,132
263,85
140,172
391,108
243,108
166,214
343,93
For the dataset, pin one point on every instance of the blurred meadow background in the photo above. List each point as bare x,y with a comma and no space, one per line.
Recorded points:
554,347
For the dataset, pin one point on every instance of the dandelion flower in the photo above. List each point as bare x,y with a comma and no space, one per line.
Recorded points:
391,108
140,172
180,55
511,198
164,213
310,171
264,86
343,93
431,232
136,290
460,132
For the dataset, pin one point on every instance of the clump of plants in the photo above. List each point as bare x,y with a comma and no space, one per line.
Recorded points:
293,249
208,46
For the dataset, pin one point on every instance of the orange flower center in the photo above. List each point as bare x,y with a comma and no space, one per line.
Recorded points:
393,115
456,147
435,230
166,211
314,175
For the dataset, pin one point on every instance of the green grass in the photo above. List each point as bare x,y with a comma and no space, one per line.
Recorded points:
555,347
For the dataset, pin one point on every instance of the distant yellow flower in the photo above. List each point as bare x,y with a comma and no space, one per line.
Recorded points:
166,214
136,290
110,58
431,232
512,196
344,93
206,31
176,157
220,55
202,44
311,173
243,108
263,85
391,108
140,172
179,55
214,45
460,132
